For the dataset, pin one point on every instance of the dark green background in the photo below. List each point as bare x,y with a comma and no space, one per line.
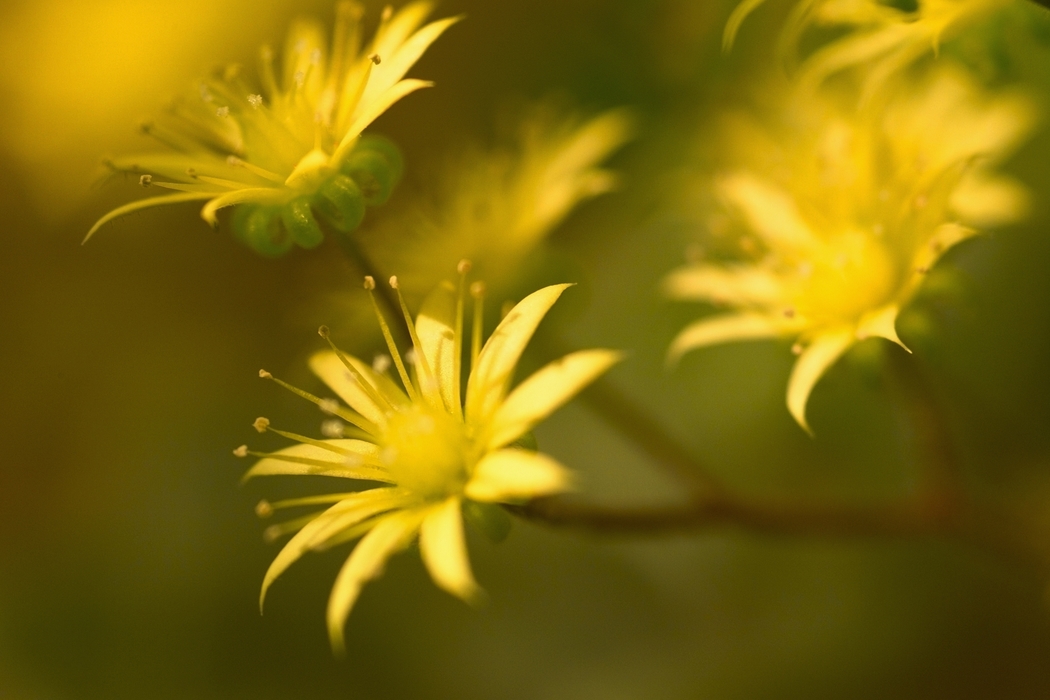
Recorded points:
130,558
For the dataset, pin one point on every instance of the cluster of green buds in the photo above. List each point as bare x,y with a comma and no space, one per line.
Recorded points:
366,178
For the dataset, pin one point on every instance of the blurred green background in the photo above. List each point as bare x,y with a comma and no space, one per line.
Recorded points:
130,557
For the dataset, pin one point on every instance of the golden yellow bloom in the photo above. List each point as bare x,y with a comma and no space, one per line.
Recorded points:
495,205
437,454
291,148
841,213
881,38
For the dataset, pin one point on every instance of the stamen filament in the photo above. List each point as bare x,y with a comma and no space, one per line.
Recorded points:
457,336
477,290
252,168
366,386
426,376
370,285
326,405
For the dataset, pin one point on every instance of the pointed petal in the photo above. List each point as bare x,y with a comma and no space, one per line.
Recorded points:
546,391
366,562
851,51
361,461
811,365
394,66
370,111
488,381
395,32
331,370
444,551
435,327
146,204
726,328
257,195
881,323
984,201
516,475
736,285
739,14
770,212
347,513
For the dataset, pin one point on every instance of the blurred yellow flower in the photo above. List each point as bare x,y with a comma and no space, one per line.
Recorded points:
438,455
881,38
843,212
292,148
493,206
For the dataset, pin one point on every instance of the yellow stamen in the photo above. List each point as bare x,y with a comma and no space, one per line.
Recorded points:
370,285
365,385
326,405
426,376
477,290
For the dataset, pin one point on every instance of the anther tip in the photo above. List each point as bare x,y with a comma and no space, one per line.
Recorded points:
263,374
797,349
323,332
375,59
477,289
241,451
263,509
464,266
370,282
271,534
261,424
393,282
329,406
146,180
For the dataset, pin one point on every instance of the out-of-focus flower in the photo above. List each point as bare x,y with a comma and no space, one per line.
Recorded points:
291,148
881,38
438,455
843,212
493,206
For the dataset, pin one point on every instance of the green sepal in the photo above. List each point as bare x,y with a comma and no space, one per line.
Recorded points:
341,203
299,221
375,165
259,227
488,519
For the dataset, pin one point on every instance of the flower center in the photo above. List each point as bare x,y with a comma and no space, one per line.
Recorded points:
852,275
426,452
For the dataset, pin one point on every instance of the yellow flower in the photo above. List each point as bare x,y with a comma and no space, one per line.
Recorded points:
495,205
880,38
843,212
293,148
437,455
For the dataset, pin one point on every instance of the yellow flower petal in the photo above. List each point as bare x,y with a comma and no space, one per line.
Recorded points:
435,326
516,475
730,285
366,562
770,212
725,328
344,514
141,204
444,551
545,391
258,195
825,349
489,380
394,65
331,370
361,461
372,110
881,323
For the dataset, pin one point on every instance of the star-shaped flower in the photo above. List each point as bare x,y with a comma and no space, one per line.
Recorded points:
841,213
290,149
436,454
